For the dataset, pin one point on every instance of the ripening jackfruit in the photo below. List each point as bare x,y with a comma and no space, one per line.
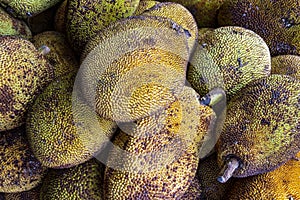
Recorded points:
261,129
144,6
228,58
62,130
24,73
126,81
84,181
85,18
20,171
180,15
61,56
277,22
194,192
286,64
12,26
60,17
29,8
282,183
162,165
33,194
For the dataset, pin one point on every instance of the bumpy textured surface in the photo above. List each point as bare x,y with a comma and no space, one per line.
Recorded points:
143,6
282,183
207,174
84,181
61,56
127,80
20,170
87,17
60,17
229,58
286,64
28,8
24,73
277,22
180,15
262,126
33,194
194,192
12,26
162,165
63,133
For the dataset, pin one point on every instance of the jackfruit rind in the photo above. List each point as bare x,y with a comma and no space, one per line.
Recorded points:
126,81
61,134
61,55
261,129
60,17
87,17
188,121
84,181
24,73
286,64
12,26
180,15
21,171
277,22
282,183
228,58
29,8
33,194
143,6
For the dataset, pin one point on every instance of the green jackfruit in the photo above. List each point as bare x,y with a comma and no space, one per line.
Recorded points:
85,18
33,194
60,17
179,15
277,22
282,183
228,58
160,164
29,8
286,64
12,26
24,73
126,81
20,171
261,129
62,130
61,56
143,6
84,181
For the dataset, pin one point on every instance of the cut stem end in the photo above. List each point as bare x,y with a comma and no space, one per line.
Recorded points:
229,168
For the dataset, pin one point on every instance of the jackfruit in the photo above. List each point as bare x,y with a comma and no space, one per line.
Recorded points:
24,73
126,81
42,22
180,15
228,58
87,17
29,8
143,6
61,56
286,64
62,130
12,26
60,17
162,165
84,181
277,22
261,130
282,183
20,171
194,191
33,194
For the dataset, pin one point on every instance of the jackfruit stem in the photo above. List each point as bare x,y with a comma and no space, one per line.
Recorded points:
44,50
226,173
215,96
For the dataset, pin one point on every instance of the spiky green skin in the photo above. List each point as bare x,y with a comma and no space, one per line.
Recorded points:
262,126
228,58
286,64
24,74
144,6
84,181
62,132
277,22
61,55
21,170
28,8
87,17
12,26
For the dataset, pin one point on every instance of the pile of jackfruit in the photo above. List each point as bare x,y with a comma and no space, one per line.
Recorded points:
140,99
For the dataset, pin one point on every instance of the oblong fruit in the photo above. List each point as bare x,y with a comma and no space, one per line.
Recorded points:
287,65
